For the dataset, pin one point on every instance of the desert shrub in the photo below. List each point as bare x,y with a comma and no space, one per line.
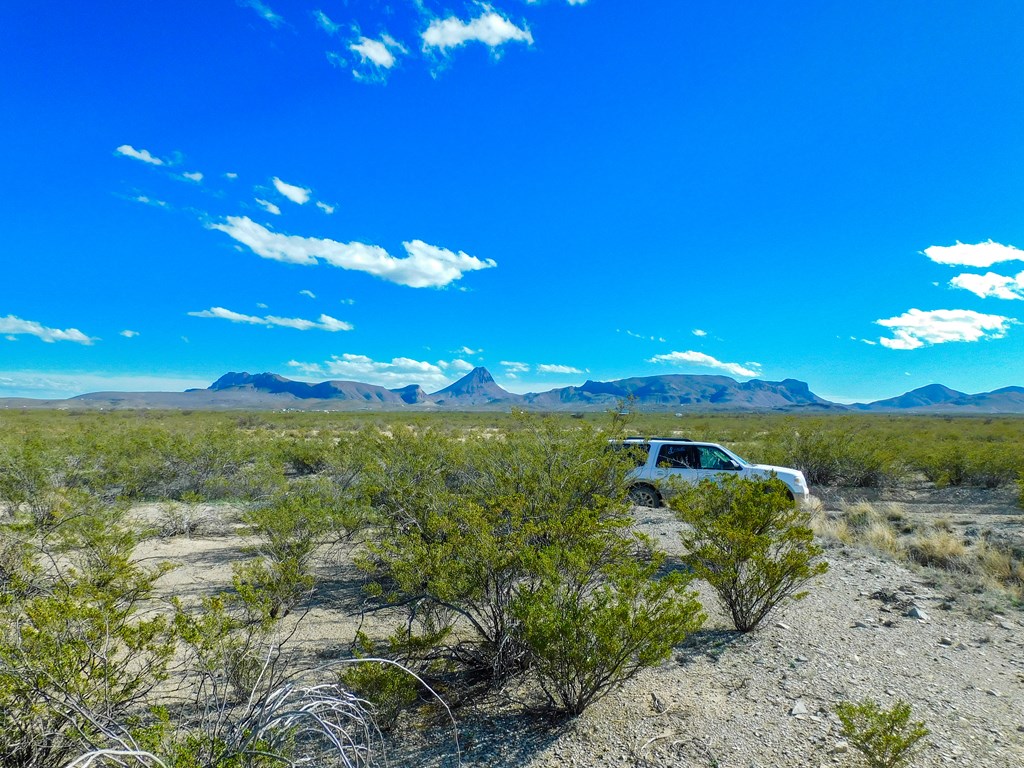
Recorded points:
886,738
494,533
78,654
750,542
594,621
386,686
835,453
287,529
963,463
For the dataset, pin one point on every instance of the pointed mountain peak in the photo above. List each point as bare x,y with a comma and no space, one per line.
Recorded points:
475,388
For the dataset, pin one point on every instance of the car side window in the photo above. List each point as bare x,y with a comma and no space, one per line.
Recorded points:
715,458
677,457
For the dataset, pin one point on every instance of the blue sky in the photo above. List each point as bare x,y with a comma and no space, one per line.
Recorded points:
559,190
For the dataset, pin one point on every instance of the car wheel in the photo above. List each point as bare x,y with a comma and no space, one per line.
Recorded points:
644,496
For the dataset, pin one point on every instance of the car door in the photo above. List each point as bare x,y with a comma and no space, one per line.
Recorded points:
676,463
713,463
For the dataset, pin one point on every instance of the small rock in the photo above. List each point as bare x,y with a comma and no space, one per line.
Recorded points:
799,708
801,659
1006,625
657,703
945,641
840,748
860,625
780,625
915,612
992,692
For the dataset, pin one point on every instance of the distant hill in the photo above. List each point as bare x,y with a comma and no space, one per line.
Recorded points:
478,390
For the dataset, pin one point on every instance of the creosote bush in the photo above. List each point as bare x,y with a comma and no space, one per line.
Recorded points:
750,542
524,540
885,738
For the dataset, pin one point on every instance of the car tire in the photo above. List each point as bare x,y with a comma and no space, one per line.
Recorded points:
643,495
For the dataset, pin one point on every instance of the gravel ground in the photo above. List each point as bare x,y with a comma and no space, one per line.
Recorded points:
744,701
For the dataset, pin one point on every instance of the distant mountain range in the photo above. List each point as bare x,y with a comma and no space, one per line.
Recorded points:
477,390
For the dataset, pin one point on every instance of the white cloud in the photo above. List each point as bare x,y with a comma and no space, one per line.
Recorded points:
261,305
47,384
916,328
347,301
546,368
707,361
459,366
397,373
468,350
977,255
991,285
230,175
328,209
489,28
380,53
149,201
513,367
324,323
296,194
129,334
139,154
264,11
193,176
645,338
307,292
15,326
268,206
325,23
426,266
699,332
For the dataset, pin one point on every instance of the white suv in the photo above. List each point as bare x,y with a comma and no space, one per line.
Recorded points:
664,460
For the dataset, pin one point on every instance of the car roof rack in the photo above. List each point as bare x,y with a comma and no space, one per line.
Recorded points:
667,439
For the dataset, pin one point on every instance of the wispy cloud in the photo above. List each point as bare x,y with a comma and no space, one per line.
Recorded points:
425,266
129,334
324,323
636,335
489,28
991,285
195,176
268,206
328,209
15,326
52,384
139,154
707,361
699,332
976,255
307,292
296,194
399,372
552,368
264,11
149,201
324,22
917,328
468,351
512,366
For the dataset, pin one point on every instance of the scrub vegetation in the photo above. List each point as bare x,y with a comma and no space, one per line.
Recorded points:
501,549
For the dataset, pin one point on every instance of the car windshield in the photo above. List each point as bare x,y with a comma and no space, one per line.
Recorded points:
738,458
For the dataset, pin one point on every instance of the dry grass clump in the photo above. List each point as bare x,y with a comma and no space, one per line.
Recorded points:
882,537
999,567
939,548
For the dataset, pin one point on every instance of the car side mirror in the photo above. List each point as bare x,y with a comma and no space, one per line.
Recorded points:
734,466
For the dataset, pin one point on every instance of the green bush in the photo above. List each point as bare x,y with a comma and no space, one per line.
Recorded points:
751,542
523,538
886,738
78,653
596,619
